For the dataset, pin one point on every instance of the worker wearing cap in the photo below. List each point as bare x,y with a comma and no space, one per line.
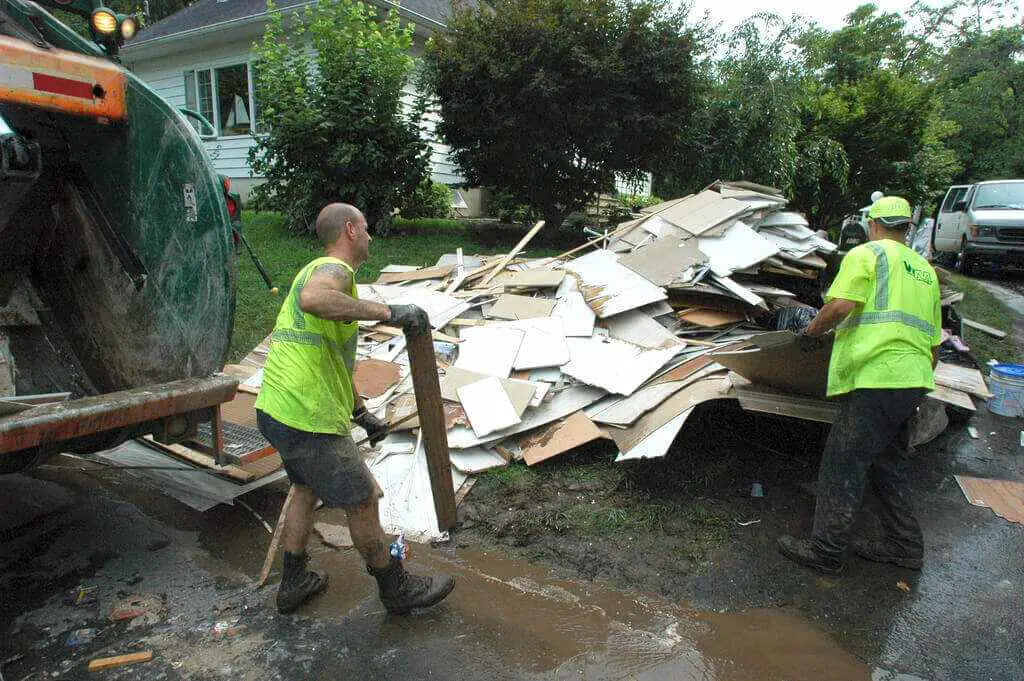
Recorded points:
884,306
307,403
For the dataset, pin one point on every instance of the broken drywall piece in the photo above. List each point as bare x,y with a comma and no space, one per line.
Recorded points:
531,278
559,438
699,213
626,411
490,350
639,329
1004,497
520,393
608,287
407,504
614,365
487,406
658,443
577,317
710,318
543,343
374,377
741,292
707,389
436,272
738,248
476,460
510,306
663,261
440,308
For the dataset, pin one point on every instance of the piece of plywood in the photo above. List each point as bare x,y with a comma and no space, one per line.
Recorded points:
984,328
663,260
739,291
533,278
952,396
101,663
608,287
778,360
613,365
738,248
241,410
520,393
487,406
1004,497
510,306
559,438
710,318
436,272
771,401
374,377
961,378
489,350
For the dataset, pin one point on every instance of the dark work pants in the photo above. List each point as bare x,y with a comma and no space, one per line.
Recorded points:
868,443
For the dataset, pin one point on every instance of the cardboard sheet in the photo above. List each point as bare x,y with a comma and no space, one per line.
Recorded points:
961,378
559,438
608,287
615,366
509,306
487,406
489,350
374,377
777,360
1004,497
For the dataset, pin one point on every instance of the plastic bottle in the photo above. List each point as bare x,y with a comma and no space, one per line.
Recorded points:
399,550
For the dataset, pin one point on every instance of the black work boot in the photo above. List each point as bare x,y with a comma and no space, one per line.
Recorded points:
885,551
401,591
297,583
802,551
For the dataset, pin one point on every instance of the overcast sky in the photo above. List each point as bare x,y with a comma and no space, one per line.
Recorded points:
828,13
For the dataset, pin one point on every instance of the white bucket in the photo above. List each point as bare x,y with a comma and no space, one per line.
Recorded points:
1006,381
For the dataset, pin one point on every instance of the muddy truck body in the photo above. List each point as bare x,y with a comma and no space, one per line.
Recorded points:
116,250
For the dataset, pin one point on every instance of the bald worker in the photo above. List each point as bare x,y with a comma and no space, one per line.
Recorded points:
308,402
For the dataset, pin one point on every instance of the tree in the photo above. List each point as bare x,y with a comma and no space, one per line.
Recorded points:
548,99
336,128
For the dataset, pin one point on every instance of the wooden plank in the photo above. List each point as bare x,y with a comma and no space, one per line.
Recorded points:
423,365
437,335
984,328
241,410
961,378
101,663
513,253
436,272
199,459
268,562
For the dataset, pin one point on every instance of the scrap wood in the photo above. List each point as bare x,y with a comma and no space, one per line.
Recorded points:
437,335
984,328
435,272
197,458
761,398
952,396
275,540
101,663
501,264
510,306
961,378
1004,497
558,438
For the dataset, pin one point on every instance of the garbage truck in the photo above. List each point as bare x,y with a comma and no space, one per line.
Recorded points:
116,245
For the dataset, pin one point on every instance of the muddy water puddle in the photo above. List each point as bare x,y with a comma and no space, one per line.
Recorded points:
554,628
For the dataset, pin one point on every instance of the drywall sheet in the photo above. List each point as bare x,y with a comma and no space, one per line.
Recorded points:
639,329
1004,497
710,319
543,343
657,444
577,317
408,502
489,350
793,247
608,287
961,378
697,214
777,360
613,365
625,411
487,406
704,390
770,401
520,393
374,377
662,261
535,278
559,438
476,460
440,308
436,272
509,306
738,248
741,292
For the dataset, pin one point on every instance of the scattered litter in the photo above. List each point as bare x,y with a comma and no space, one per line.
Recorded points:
748,523
903,586
756,490
81,595
973,432
1004,497
223,629
141,609
80,637
335,536
101,663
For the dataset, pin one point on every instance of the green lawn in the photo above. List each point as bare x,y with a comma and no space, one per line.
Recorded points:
982,306
283,255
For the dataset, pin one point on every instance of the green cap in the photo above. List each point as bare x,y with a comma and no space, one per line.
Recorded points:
891,211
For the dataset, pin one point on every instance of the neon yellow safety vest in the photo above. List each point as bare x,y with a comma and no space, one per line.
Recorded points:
886,342
307,378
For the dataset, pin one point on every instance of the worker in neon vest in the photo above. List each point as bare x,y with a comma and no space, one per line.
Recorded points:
884,306
307,403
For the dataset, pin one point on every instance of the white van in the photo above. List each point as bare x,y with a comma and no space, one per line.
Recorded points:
981,222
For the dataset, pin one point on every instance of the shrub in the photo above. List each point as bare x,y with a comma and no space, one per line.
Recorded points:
429,200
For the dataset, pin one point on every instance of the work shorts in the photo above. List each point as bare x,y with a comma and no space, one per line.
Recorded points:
328,464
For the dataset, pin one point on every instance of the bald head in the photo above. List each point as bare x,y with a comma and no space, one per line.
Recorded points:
330,223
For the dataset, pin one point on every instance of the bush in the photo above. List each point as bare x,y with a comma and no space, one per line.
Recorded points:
634,202
503,205
430,200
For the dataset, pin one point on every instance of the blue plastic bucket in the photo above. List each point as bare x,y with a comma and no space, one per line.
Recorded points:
1006,381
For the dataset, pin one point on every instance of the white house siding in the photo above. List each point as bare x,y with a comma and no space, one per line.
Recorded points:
230,155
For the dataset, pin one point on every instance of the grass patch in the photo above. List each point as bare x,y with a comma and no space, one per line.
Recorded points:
982,306
283,254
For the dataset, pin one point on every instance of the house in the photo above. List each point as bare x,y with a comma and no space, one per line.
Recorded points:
200,58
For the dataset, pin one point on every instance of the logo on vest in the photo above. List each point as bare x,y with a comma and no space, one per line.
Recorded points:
922,276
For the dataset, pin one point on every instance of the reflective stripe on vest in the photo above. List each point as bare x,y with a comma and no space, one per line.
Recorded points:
886,317
346,352
881,276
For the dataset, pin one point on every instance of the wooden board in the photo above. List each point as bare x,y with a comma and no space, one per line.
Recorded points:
241,410
1004,497
961,378
436,272
192,456
119,661
984,328
952,396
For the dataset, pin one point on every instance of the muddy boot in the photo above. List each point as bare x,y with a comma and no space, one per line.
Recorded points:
885,551
802,551
401,591
297,583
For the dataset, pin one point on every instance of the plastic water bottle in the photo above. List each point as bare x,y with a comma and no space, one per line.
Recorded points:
399,550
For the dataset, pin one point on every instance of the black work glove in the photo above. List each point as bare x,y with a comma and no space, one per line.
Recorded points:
411,318
375,429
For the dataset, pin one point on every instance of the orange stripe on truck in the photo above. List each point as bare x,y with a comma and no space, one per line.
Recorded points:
62,81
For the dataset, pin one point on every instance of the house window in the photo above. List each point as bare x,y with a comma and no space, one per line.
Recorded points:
224,97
